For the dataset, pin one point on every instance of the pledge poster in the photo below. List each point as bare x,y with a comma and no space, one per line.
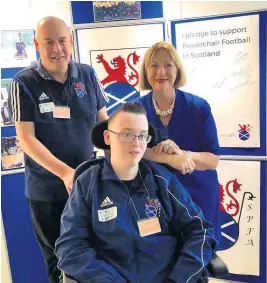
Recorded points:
221,60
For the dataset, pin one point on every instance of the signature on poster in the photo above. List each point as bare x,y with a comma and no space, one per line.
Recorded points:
236,79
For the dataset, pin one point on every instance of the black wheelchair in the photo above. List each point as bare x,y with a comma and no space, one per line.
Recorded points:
216,267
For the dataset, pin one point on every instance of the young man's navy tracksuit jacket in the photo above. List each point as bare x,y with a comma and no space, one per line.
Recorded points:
100,240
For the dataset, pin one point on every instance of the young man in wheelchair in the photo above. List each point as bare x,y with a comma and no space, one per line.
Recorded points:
128,220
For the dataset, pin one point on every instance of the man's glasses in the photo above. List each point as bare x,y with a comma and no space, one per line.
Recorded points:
125,137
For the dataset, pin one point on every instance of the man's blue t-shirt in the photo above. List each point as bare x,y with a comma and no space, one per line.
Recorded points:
33,95
192,127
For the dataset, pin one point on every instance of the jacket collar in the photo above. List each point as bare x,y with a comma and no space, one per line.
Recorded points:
73,71
144,169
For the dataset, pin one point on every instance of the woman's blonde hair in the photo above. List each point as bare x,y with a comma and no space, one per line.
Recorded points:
180,78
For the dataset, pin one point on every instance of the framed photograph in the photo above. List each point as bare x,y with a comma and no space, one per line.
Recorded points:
17,49
12,156
6,119
116,10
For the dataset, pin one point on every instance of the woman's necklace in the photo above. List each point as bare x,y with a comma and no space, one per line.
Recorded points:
163,113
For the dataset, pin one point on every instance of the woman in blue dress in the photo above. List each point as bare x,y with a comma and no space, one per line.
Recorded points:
185,126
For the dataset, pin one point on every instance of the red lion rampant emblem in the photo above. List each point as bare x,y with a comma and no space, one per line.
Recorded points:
118,72
232,207
246,128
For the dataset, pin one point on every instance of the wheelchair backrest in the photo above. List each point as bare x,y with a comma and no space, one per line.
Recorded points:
87,164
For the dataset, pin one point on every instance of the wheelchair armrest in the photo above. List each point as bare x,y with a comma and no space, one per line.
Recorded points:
68,279
217,267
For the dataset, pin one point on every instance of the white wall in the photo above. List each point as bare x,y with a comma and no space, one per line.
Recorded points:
192,9
26,14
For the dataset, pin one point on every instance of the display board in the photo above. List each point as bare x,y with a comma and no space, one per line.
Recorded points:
225,61
26,261
117,61
92,42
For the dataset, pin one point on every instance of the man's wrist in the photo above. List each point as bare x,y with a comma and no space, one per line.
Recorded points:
65,170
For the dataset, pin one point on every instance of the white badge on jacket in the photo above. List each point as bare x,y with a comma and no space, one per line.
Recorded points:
105,215
46,107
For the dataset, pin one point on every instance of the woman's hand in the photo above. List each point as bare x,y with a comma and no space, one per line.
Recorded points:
168,146
181,162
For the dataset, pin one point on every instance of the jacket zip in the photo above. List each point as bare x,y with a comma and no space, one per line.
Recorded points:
134,245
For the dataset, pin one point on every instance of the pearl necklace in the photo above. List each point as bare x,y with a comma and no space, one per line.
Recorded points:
163,113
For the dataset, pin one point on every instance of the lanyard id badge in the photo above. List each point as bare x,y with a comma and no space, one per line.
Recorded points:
61,112
148,226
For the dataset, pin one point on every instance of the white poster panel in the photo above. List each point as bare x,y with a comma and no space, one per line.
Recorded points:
240,215
117,60
221,59
117,38
17,49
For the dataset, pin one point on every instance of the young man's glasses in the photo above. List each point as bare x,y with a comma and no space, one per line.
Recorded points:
126,137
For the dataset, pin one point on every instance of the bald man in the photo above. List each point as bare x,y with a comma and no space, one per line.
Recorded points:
54,104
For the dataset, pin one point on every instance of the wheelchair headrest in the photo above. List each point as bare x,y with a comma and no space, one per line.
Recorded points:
99,128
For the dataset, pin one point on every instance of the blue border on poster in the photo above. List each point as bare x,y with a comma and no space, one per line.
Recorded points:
8,73
82,11
26,261
260,151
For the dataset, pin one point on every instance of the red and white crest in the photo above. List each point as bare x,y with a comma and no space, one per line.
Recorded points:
239,190
230,194
118,66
